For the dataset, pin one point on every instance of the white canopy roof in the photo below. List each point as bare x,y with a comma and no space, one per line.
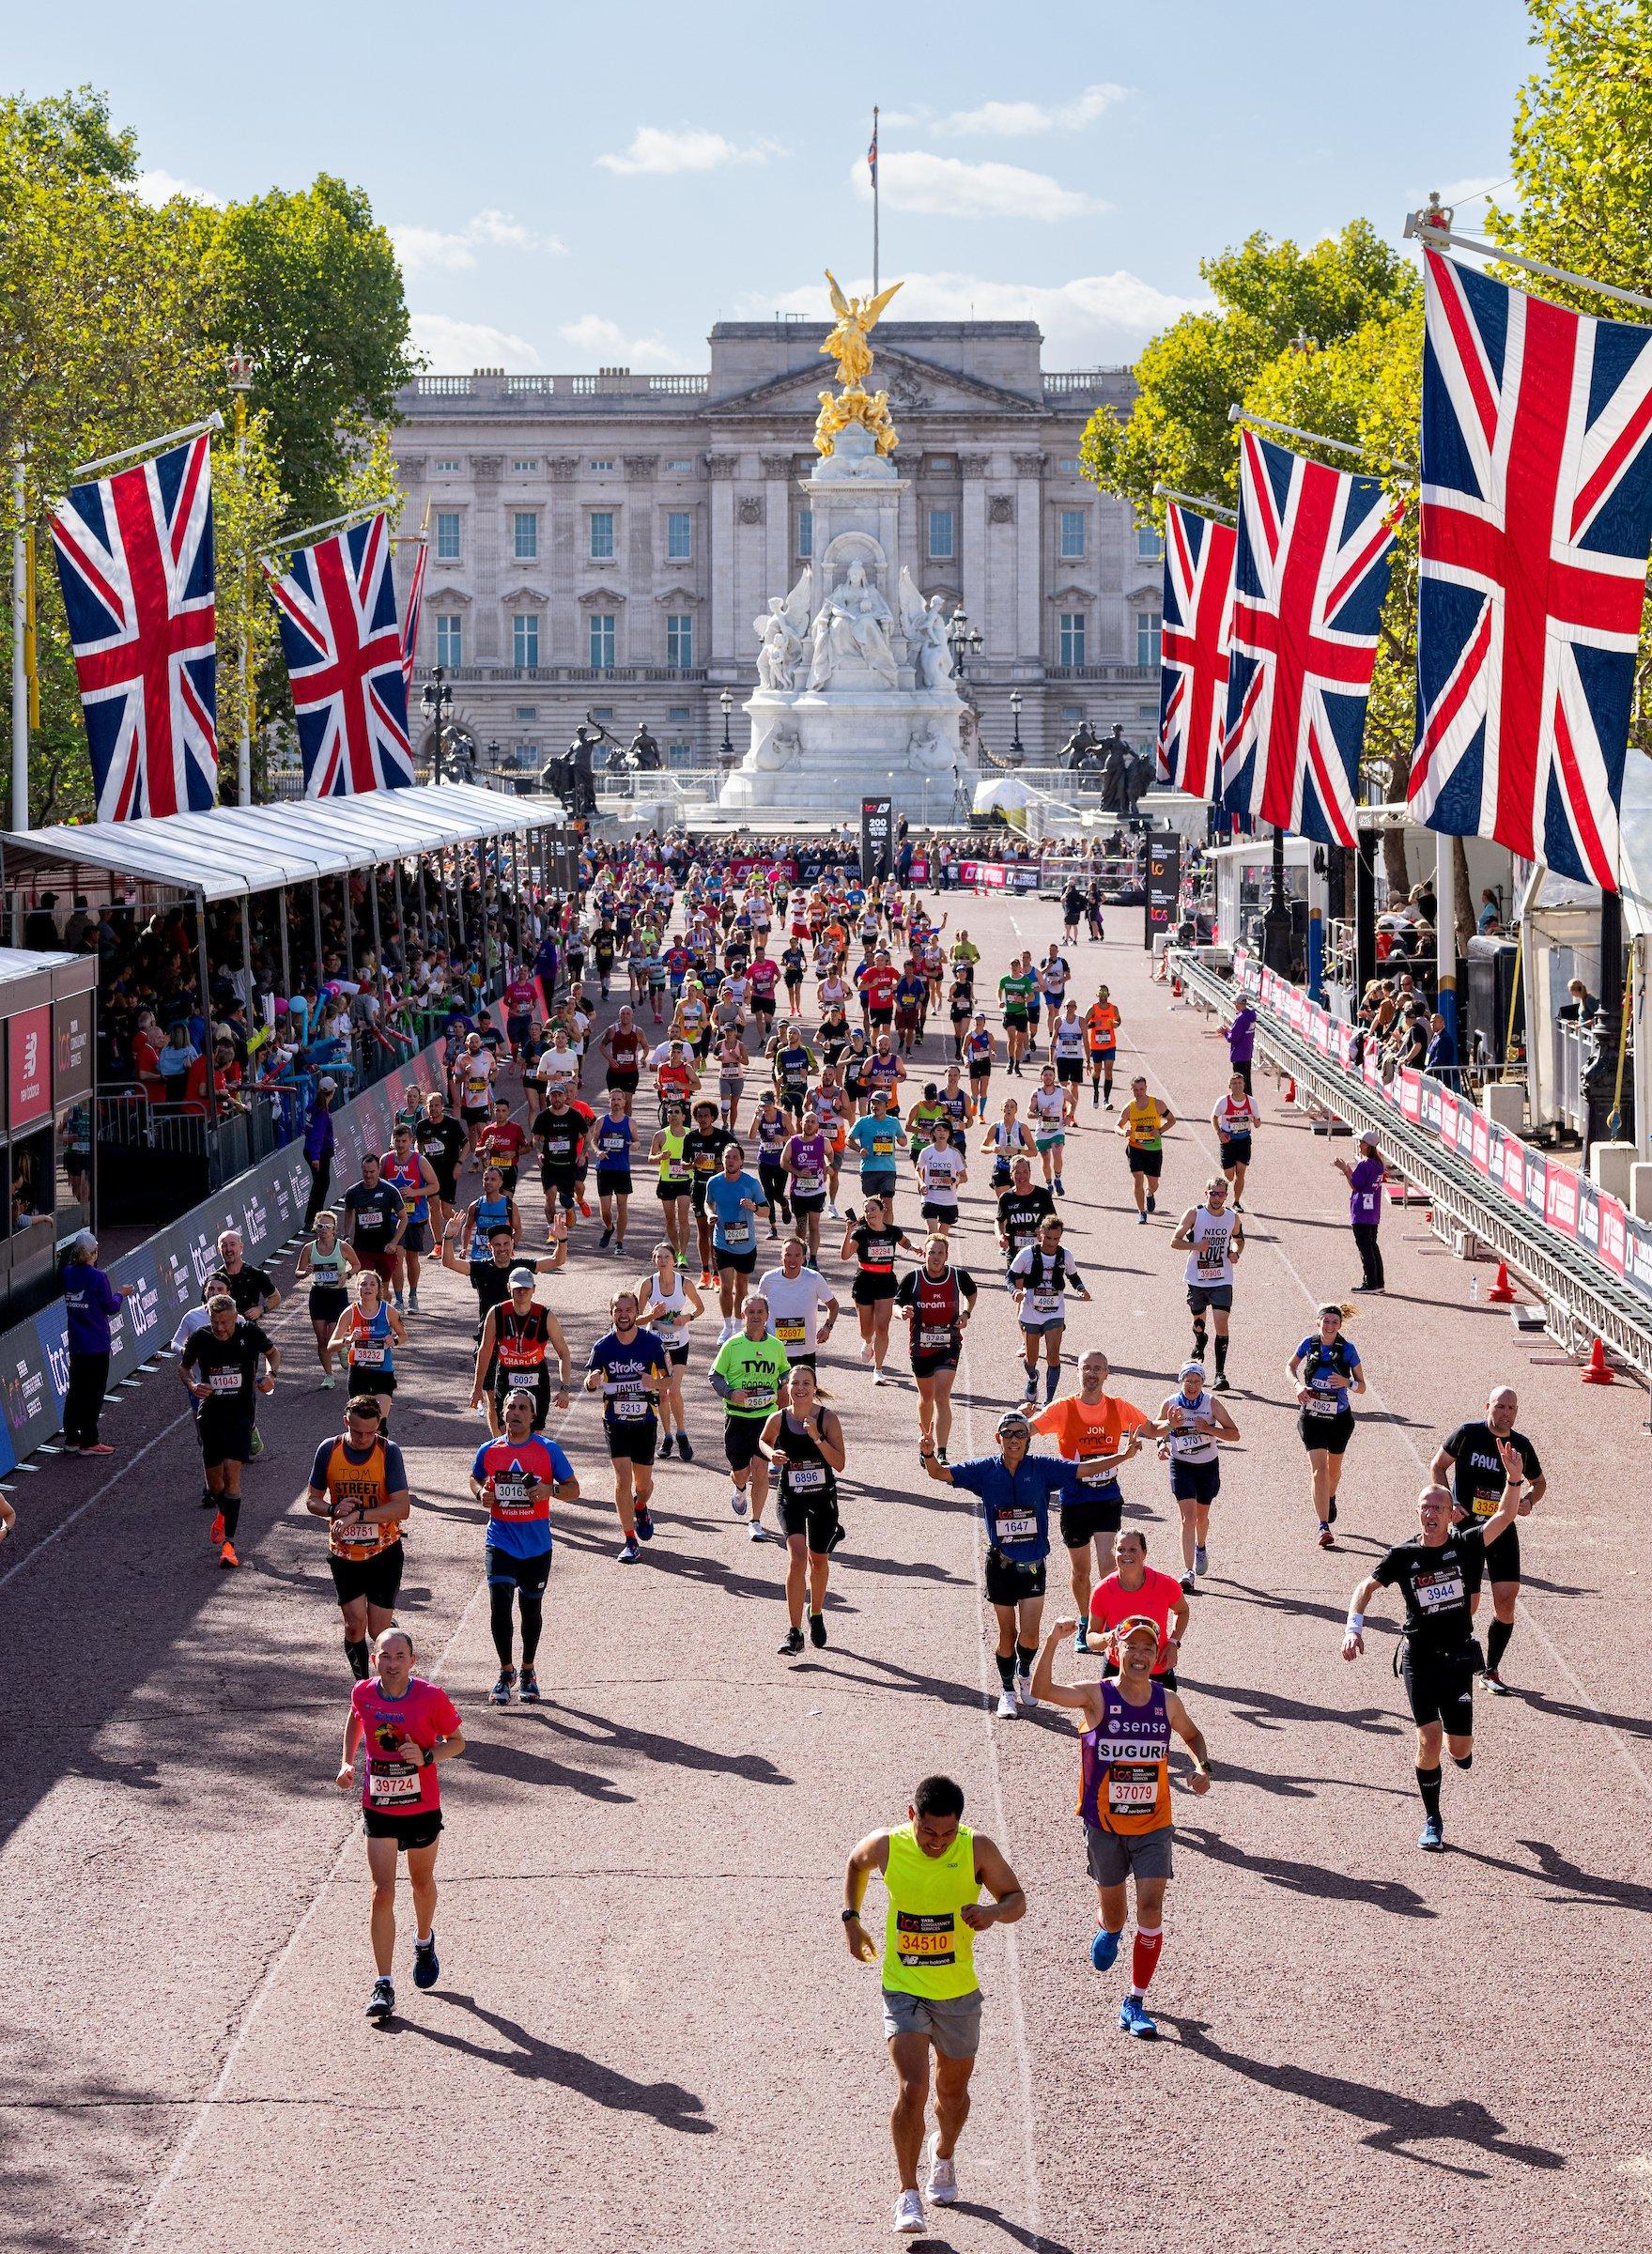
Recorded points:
231,850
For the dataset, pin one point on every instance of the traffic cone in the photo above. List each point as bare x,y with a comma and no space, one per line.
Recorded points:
1503,1292
1596,1373
1290,1089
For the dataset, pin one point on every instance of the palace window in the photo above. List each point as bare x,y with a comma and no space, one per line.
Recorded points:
602,639
447,536
525,638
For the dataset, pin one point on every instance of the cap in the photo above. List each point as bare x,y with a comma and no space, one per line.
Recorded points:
1370,1140
1013,1421
521,1279
326,1081
1191,1369
1137,1624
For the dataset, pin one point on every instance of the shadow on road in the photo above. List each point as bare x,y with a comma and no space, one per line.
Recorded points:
1317,1880
1583,1890
534,2060
1271,1710
676,1753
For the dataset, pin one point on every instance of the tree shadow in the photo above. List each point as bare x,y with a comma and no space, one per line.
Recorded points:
1399,2124
1318,1881
532,2059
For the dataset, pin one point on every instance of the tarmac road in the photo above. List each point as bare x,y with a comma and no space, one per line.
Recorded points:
649,2034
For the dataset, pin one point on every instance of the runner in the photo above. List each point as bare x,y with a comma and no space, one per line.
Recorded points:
610,1138
1472,1460
934,1868
732,1061
253,1290
1048,1106
368,1334
1102,1022
1018,991
1124,1797
471,1076
1191,1425
561,1131
733,1199
803,1442
669,1149
628,1366
327,1266
409,1726
379,1216
1438,1573
798,1296
1134,1591
1236,1119
441,1141
1023,1208
938,1300
773,1129
359,1485
669,1303
1326,1372
413,1177
703,1145
804,1158
1041,1277
942,1172
1068,1039
1098,1431
517,1338
624,1046
874,1241
1015,1489
218,1367
514,1476
1144,1122
877,1138
1213,1236
501,1143
746,1377
979,1045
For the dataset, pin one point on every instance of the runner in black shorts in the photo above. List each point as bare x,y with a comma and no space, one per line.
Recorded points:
938,1300
359,1485
218,1367
1438,1574
1327,1372
1472,1459
629,1366
804,1443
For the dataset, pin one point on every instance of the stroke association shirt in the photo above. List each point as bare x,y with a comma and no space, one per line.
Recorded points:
393,1784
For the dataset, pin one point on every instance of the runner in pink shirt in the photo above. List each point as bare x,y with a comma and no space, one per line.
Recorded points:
1137,1591
407,1725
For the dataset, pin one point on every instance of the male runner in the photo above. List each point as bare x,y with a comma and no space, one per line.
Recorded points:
1022,1210
1144,1122
798,1296
359,1485
1213,1236
518,1337
1041,1277
441,1142
1124,1797
629,1366
1191,1425
514,1476
746,1377
1102,1022
733,1199
219,1368
379,1217
1472,1460
409,1172
934,1868
1438,1573
877,1138
1099,1433
937,1300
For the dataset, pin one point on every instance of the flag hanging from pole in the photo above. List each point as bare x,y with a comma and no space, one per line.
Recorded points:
1193,652
1314,551
410,625
872,153
344,658
1536,517
134,560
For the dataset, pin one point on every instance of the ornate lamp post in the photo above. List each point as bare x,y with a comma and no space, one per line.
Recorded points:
436,701
964,641
726,749
1017,749
240,366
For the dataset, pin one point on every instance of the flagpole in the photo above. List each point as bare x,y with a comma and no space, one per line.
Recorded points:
241,382
20,679
1196,501
129,454
330,524
1431,228
875,209
1317,438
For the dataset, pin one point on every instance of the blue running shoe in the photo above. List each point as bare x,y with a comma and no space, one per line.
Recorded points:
1431,1838
644,1522
1081,1641
1134,2019
1103,1948
427,1966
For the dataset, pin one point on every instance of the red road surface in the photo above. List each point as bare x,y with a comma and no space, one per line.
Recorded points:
649,2034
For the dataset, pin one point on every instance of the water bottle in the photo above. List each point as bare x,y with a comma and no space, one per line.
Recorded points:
1474,1287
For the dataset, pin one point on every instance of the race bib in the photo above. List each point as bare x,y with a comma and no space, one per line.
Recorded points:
791,1330
225,1381
807,1185
935,1339
1132,1789
1096,1471
393,1784
924,1941
630,1406
736,1232
1212,1254
1325,1404
805,1479
1046,1302
1485,1506
1434,1595
357,1530
1017,1526
370,1356
512,1494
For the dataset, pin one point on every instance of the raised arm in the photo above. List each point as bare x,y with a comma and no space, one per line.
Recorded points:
1083,1698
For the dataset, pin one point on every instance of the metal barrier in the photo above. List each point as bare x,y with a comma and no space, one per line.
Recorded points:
1583,1300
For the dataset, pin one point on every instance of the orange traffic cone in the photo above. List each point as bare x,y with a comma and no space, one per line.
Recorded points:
1290,1089
1502,1292
1596,1373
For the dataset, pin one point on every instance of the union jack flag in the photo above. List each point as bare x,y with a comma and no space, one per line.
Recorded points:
1193,661
1315,547
411,623
344,658
1537,515
134,560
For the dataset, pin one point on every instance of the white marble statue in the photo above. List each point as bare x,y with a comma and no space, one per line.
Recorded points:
779,749
928,751
853,622
924,625
782,633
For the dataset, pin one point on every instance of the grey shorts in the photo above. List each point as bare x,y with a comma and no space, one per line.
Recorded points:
1201,1296
952,2022
1112,1856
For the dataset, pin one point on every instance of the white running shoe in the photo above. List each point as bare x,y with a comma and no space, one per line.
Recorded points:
1024,1693
909,2219
328,1382
1008,1709
942,2187
758,1532
866,1351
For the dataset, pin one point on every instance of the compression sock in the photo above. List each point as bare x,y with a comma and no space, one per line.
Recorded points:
532,1626
1006,1663
1463,1760
356,1652
231,1508
1025,1656
1144,1958
500,1620
1221,1356
1031,1369
1428,1785
208,1500
1052,1379
1199,1339
1497,1637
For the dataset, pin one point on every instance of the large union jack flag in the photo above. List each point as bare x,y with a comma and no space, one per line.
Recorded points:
134,560
1537,515
1315,547
411,623
1193,666
344,658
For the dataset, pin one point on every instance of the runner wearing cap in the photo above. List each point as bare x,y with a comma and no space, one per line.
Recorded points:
518,1337
1125,1795
1015,1489
935,1869
1190,1424
407,1726
1327,1372
515,1477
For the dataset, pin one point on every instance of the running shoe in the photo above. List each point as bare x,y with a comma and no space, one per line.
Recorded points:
606,1239
866,1351
1201,1560
942,2187
1008,1709
585,1210
684,1450
940,1455
1187,1583
1153,1203
1330,1511
1081,1641
1024,1694
1103,1948
882,1376
401,1303
382,2003
705,1279
757,1531
737,1502
426,1964
413,1303
1431,1838
1221,1384
257,1441
500,1693
215,1532
1491,1680
793,1644
644,1519
528,1688
909,2220
1327,1539
96,1447
817,1635
1058,1186
682,1259
480,1408
1134,2019
666,1445
226,1556
629,1553
1141,1220
328,1382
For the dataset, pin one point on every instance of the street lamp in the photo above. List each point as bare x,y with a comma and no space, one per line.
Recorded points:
436,701
1018,750
726,749
240,367
962,641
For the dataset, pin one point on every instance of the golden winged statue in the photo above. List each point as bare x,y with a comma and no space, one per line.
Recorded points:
857,319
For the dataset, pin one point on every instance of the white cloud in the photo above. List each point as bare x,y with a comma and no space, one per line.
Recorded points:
950,188
454,348
606,343
1470,190
422,250
1096,319
159,188
686,149
1012,121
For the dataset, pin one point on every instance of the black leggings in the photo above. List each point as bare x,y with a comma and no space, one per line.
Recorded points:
500,1620
1365,1236
774,1180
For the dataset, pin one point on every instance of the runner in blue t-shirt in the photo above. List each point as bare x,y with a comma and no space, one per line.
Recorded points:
878,1137
734,1198
515,1476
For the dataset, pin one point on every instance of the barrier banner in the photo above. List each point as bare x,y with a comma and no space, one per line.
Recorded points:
1448,1119
1428,1112
1535,1183
1588,1215
1560,1200
1480,1143
1410,1086
999,876
1494,1154
1514,1168
1614,1244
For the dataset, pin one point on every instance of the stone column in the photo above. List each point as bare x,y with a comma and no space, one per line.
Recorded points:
1030,534
644,621
972,535
486,543
777,507
720,467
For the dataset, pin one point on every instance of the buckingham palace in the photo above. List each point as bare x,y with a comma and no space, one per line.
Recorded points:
606,542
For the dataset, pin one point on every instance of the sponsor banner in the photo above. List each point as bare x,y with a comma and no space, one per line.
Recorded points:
1560,1200
72,1035
1513,1175
1534,1186
1494,1154
1480,1143
1429,1107
1588,1215
30,1404
1409,1089
1615,1244
29,1066
999,876
1447,1121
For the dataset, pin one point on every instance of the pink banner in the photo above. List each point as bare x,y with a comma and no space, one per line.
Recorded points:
1561,1200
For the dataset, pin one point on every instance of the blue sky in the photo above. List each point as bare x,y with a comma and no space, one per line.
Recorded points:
582,186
